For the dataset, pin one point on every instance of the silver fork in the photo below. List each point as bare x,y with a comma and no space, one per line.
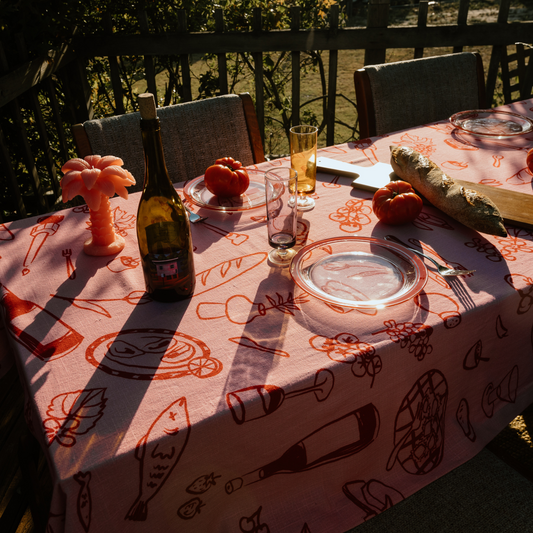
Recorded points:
443,270
193,217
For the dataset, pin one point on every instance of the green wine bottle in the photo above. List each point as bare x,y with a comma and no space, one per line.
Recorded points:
163,229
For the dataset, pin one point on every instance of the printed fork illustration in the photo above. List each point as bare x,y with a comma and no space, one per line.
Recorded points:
70,267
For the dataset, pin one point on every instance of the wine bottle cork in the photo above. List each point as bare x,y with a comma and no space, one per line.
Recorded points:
147,106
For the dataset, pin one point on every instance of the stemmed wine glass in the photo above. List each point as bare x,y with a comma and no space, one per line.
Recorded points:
303,160
281,186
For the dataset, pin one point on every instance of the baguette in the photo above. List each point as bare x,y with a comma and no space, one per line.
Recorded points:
471,208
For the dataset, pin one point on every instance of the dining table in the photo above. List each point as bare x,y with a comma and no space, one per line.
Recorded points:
260,404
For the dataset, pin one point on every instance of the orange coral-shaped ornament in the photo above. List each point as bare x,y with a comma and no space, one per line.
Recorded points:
97,179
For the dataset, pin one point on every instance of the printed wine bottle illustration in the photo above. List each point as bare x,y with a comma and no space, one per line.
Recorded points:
37,329
258,401
340,438
163,229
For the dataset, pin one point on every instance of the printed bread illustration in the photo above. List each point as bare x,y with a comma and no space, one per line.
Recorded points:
471,208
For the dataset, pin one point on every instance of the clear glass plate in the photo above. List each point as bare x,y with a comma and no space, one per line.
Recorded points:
196,192
492,123
359,272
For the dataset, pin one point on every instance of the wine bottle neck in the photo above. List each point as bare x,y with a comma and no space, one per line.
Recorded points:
154,157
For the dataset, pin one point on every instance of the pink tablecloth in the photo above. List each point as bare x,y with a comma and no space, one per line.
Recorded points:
254,407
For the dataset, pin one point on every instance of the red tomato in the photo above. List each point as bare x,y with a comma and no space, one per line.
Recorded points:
529,160
396,203
226,178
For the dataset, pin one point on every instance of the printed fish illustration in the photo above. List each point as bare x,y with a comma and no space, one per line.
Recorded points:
84,506
159,452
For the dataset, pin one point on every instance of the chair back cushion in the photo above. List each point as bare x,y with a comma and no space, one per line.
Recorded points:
194,135
420,91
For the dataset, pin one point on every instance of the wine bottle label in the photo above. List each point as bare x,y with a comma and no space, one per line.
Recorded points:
342,433
166,258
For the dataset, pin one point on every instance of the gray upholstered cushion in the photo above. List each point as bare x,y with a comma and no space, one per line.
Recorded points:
420,91
194,135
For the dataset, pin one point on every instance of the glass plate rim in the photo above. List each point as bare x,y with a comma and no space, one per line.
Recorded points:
190,184
417,262
454,120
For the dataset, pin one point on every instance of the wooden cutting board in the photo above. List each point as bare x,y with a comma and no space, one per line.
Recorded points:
516,208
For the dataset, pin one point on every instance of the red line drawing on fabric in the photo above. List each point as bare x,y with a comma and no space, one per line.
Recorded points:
122,221
93,304
71,272
247,342
367,147
333,150
373,497
462,416
446,128
5,233
41,332
522,177
353,216
347,348
46,227
491,181
419,426
497,160
501,330
333,183
485,247
158,452
345,310
84,501
454,165
451,316
191,508
217,275
526,294
238,309
423,145
460,144
72,414
334,441
123,263
258,401
414,335
235,238
253,523
505,391
474,357
152,354
202,484
426,220
518,241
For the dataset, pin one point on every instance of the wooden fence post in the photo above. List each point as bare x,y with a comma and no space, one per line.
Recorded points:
378,17
422,23
497,55
221,58
116,83
258,66
295,69
332,78
184,59
149,68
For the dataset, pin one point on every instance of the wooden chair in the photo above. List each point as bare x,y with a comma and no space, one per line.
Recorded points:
395,96
194,135
517,73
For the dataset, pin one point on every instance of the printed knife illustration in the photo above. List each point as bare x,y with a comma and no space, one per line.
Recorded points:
46,226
